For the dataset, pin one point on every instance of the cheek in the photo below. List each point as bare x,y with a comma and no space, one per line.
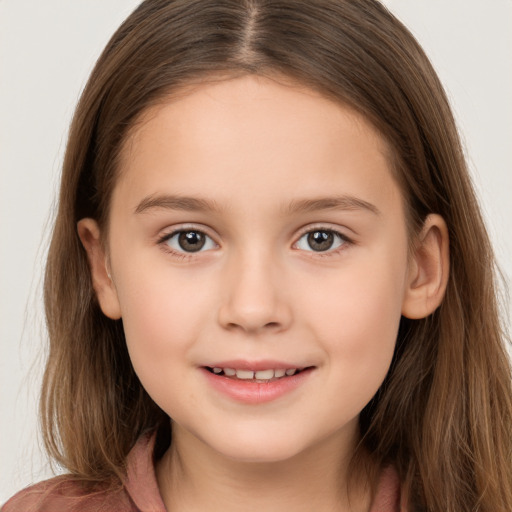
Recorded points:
161,322
160,317
356,319
371,309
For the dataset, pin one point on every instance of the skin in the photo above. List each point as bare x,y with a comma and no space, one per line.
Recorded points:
254,148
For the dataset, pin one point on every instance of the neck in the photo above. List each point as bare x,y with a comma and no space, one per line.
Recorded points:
194,477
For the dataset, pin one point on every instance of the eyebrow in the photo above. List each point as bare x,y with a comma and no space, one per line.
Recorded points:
169,202
331,203
194,204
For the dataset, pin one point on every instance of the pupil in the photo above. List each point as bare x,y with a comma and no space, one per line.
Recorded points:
191,241
320,240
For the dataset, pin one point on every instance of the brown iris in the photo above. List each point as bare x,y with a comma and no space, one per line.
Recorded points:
320,240
191,241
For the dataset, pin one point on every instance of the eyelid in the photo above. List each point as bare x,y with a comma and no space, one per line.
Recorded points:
324,226
337,230
168,232
171,231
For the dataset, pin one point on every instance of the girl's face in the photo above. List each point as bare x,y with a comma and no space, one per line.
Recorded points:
256,228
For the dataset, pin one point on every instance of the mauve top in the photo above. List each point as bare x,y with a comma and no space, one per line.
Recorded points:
140,490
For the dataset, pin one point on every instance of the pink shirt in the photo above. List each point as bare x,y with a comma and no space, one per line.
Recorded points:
140,491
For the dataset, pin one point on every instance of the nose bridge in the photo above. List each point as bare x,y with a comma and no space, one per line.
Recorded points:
254,295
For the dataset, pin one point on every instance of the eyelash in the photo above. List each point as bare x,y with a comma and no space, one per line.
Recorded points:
183,255
345,242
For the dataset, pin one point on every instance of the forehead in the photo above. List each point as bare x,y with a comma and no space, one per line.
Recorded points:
269,137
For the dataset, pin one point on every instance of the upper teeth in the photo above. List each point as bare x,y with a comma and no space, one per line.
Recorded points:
259,375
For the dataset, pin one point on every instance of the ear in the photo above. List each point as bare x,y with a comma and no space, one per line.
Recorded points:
89,233
428,270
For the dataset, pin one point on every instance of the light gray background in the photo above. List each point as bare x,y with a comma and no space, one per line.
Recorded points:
47,49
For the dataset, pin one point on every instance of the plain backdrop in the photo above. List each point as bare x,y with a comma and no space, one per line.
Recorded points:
48,48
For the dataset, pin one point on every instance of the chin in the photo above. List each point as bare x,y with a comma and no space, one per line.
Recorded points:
260,454
261,447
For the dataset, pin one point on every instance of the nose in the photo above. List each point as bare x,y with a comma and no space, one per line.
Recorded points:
254,296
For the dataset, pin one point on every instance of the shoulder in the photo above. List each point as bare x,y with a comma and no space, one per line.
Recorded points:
64,494
388,496
138,492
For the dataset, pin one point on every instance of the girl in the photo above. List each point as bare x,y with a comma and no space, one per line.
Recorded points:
269,284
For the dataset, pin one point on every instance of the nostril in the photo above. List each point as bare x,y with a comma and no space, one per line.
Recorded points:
254,316
246,327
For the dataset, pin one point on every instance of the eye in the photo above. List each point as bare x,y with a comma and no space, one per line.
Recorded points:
189,240
321,240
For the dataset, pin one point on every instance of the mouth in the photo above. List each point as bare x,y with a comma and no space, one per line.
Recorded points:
260,376
257,381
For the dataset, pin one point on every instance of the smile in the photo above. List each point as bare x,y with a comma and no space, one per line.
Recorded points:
256,386
257,375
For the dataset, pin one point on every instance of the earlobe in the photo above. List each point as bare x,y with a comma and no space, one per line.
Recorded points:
89,233
428,270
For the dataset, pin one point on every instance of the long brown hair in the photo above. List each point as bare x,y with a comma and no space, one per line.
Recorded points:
443,416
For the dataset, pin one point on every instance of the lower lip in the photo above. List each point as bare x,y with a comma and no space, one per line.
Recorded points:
251,392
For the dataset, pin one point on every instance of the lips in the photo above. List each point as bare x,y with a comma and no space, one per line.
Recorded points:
261,375
255,383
